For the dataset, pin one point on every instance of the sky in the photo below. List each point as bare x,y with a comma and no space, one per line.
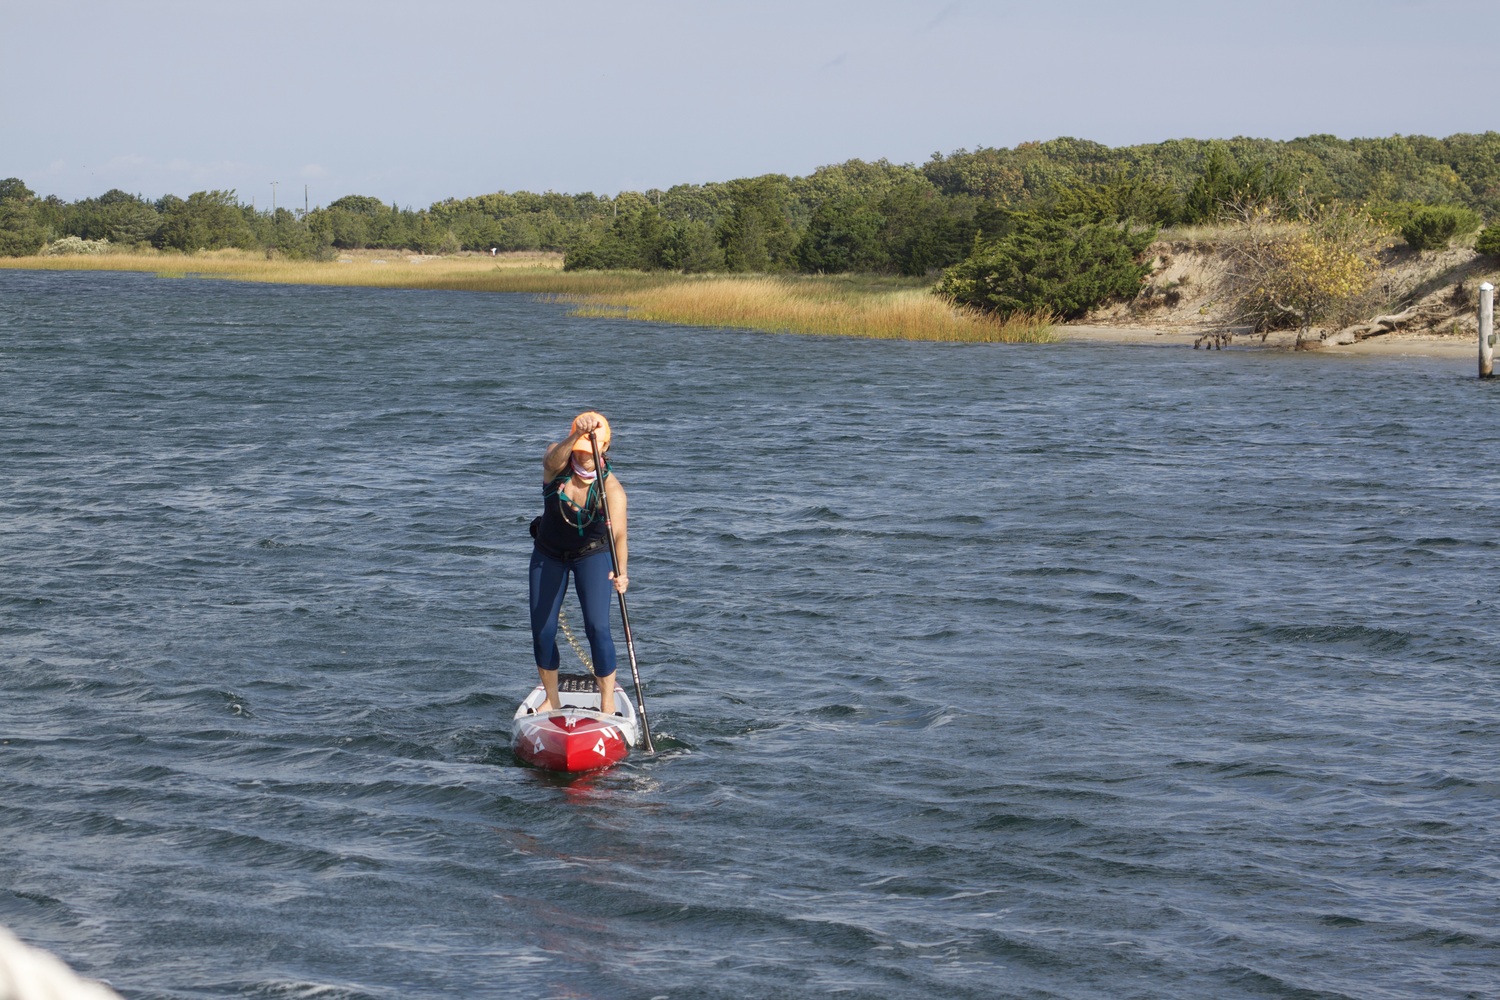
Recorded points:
306,101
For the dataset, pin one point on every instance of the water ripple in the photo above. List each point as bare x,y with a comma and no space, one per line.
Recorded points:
976,671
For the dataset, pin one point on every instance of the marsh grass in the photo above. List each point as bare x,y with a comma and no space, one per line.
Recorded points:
894,308
362,268
825,306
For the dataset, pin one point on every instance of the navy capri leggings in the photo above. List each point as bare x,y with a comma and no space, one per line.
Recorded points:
549,584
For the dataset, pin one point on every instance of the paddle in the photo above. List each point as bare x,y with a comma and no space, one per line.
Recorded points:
614,561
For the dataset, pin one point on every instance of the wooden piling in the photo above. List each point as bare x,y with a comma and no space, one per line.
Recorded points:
1486,330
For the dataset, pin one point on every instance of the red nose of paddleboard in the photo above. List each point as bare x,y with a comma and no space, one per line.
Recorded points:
564,741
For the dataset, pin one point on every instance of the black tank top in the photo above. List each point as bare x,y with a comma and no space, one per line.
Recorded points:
565,531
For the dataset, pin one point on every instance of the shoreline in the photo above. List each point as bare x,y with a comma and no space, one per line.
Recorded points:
1391,345
708,300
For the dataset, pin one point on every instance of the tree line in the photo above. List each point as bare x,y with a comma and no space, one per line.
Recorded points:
854,216
1046,226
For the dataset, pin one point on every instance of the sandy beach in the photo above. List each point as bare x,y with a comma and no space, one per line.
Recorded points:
1410,345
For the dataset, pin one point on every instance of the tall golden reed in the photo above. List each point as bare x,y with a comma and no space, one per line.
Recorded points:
810,306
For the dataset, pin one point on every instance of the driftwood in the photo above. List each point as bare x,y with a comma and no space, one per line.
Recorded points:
1214,341
1381,325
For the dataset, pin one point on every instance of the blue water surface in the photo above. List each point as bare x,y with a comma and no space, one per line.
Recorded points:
979,671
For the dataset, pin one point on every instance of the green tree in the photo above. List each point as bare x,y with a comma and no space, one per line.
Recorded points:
635,240
991,174
361,204
356,221
1120,197
116,216
14,189
427,236
476,231
692,247
1489,241
920,229
20,236
342,228
131,222
519,232
392,229
21,230
20,233
207,220
706,203
869,182
295,238
1433,227
757,233
843,235
1319,169
1062,266
1224,186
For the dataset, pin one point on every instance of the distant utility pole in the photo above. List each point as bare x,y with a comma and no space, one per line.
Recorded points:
304,199
273,198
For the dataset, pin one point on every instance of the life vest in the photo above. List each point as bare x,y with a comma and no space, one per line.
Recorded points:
566,530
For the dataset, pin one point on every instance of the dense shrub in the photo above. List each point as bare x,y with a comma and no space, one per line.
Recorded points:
1065,266
1393,214
1489,241
1433,227
1301,272
71,246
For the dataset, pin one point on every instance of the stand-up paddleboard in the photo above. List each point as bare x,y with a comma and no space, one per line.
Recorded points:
576,736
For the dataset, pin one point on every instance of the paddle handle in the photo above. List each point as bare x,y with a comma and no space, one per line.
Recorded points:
614,561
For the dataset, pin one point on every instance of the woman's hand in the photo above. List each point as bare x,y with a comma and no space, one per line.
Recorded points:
586,423
621,582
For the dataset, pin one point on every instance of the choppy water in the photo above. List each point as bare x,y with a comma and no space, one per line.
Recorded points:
982,671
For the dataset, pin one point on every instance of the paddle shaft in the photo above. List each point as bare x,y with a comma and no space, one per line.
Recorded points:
614,561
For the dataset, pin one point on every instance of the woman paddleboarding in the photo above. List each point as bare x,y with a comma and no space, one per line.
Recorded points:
582,534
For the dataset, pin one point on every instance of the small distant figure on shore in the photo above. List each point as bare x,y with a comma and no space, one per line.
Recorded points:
494,250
